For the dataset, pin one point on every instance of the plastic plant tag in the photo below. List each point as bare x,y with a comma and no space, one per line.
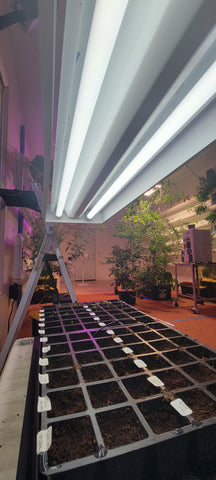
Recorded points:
41,324
181,407
85,306
44,440
155,381
41,314
96,318
41,332
44,339
43,378
102,324
127,350
44,404
43,362
140,363
91,313
118,340
46,349
110,332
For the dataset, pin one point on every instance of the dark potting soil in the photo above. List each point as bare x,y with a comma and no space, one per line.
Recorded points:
162,345
160,416
58,348
212,363
114,352
79,336
158,326
95,373
57,338
60,361
89,357
125,367
105,394
63,378
183,341
155,361
202,352
212,388
202,405
83,345
179,357
170,333
66,402
73,328
139,328
151,335
52,330
173,379
141,348
71,439
128,339
200,372
105,342
120,427
139,387
120,331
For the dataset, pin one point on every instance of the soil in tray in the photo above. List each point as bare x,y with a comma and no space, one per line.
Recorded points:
73,328
83,345
120,427
160,416
202,352
125,367
58,348
173,379
169,333
155,361
139,328
71,439
212,363
212,388
202,405
52,330
89,357
179,357
105,394
139,387
105,342
151,335
57,338
95,373
162,345
158,326
114,352
183,341
60,361
66,402
62,378
128,339
200,372
141,348
79,336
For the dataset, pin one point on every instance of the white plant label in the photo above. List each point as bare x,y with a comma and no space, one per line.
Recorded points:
41,332
43,378
85,306
43,362
46,349
44,404
41,314
110,332
92,314
140,363
44,339
44,440
102,324
155,381
41,324
96,318
118,340
181,407
127,350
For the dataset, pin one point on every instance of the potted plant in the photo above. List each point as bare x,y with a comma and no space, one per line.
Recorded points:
123,262
154,282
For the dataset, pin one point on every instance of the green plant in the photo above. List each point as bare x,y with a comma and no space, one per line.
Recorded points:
154,279
123,265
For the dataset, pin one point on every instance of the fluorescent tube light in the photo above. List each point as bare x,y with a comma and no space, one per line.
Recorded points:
202,92
107,19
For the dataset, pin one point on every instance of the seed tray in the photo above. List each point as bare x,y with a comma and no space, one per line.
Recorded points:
118,397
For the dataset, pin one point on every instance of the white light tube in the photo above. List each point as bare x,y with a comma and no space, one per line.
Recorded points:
107,19
202,92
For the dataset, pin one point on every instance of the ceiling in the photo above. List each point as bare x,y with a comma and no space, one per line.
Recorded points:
118,101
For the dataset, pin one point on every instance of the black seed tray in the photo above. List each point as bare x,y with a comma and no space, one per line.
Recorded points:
107,418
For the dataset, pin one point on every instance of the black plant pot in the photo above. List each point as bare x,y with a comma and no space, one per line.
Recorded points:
128,296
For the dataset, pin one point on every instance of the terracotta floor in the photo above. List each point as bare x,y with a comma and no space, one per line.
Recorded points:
201,326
